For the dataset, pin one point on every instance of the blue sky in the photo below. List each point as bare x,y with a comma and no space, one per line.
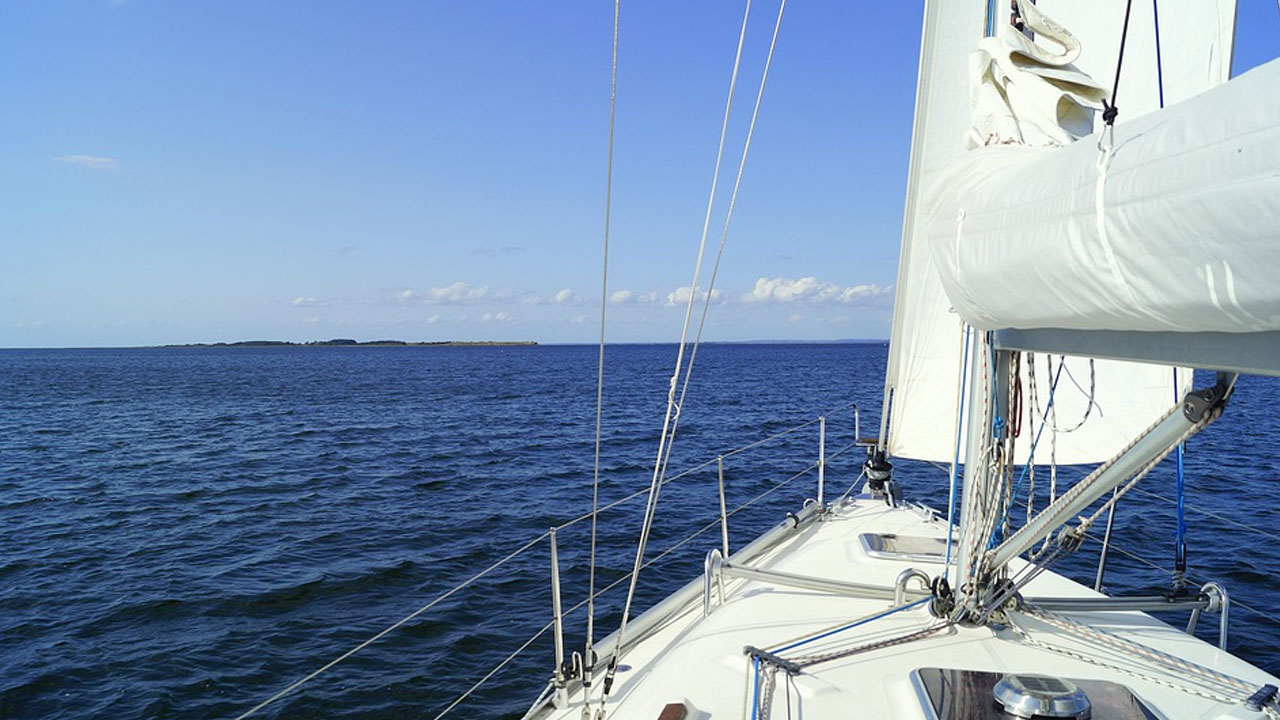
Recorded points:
217,171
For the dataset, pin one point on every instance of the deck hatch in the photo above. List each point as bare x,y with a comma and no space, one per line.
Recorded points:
910,548
953,694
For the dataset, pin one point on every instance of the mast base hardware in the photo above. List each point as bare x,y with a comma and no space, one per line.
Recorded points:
765,656
1001,597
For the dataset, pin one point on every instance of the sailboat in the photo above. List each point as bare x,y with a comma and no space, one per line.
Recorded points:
1053,225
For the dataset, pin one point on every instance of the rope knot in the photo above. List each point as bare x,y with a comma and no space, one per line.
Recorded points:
1109,112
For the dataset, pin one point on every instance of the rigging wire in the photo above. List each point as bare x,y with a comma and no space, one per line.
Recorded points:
604,298
1268,616
672,408
1180,529
1214,515
534,541
724,233
392,627
1110,111
654,560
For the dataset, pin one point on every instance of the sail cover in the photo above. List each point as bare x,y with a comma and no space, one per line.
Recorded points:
1172,232
921,383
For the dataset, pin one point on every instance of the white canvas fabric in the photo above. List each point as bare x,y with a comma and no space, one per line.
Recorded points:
1173,230
1028,92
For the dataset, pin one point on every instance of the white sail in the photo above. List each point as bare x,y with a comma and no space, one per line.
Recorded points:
1196,41
925,344
920,380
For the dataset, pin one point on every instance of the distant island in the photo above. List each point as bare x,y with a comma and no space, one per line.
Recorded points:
348,342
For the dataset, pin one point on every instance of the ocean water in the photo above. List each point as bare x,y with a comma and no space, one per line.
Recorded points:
186,531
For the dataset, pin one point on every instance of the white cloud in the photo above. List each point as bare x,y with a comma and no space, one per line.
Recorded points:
94,162
306,301
578,319
680,296
433,319
795,318
459,293
810,290
626,297
565,297
312,321
501,316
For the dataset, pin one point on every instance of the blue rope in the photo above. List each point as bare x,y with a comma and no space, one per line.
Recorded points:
1155,14
850,626
1180,534
996,534
755,691
951,507
1180,541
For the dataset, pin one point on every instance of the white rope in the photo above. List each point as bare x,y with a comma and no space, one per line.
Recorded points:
392,627
1171,663
1183,687
604,302
1053,445
724,236
733,201
1031,428
672,408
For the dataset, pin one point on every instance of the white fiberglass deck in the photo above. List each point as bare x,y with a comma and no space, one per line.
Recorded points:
699,661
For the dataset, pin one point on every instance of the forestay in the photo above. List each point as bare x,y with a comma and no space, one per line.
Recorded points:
925,344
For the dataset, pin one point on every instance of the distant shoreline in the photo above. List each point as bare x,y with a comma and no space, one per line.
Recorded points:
344,342
341,342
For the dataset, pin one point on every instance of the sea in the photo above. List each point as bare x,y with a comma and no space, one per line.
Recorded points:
185,532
